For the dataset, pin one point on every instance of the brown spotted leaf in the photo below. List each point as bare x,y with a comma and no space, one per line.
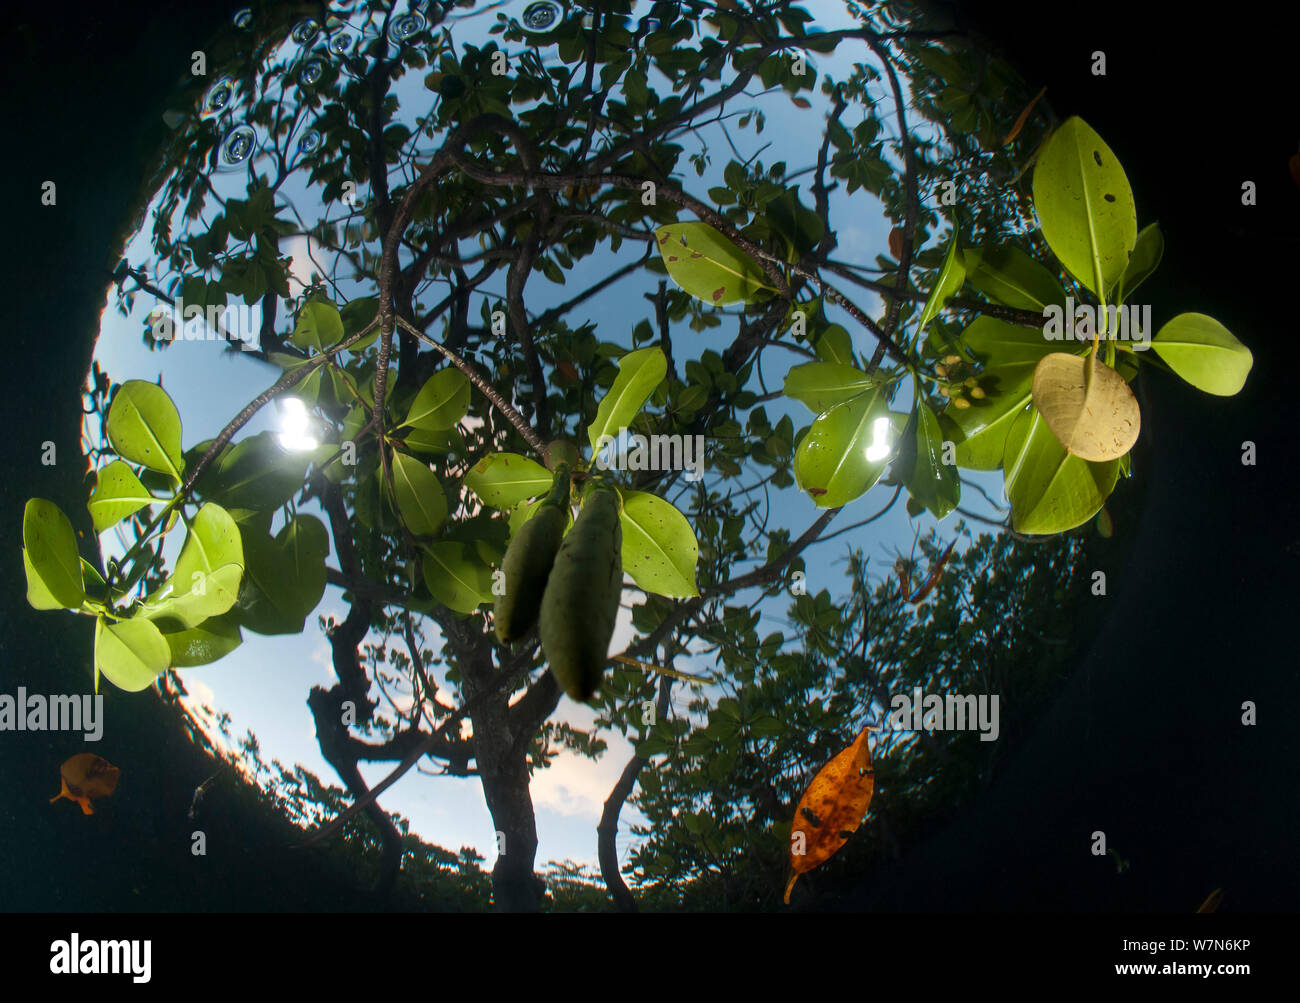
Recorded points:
705,263
831,809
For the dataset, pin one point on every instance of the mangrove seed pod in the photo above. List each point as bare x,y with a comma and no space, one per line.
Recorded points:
581,599
528,561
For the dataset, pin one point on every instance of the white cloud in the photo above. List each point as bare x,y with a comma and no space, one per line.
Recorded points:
577,786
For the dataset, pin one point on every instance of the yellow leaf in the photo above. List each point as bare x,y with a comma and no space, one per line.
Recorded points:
831,809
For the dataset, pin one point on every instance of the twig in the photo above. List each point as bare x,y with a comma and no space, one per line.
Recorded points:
486,388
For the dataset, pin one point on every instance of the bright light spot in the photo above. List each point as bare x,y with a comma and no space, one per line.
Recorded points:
295,427
879,448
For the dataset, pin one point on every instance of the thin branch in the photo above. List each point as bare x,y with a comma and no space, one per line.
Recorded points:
486,388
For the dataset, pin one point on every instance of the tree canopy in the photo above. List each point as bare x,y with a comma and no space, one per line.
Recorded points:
480,180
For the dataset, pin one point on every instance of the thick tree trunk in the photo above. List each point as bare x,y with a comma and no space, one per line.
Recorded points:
503,771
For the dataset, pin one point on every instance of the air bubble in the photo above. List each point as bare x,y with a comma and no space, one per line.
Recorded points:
310,72
243,18
542,16
238,144
305,31
340,43
309,142
218,97
403,27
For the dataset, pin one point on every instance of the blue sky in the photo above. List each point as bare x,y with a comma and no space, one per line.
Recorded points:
264,683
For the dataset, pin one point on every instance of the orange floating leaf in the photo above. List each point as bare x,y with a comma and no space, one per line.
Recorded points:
831,809
1024,117
84,777
1212,901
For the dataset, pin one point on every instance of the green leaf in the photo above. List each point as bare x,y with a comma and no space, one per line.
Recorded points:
213,542
441,402
50,558
1051,491
951,276
319,326
846,450
800,227
1204,353
455,576
1144,260
1007,275
835,345
214,638
503,480
986,423
1014,351
928,479
639,373
660,550
144,427
708,265
210,594
435,443
420,497
205,581
256,473
118,493
286,576
822,385
1085,205
130,654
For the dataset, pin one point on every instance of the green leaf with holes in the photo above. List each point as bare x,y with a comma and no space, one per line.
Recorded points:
1085,205
660,550
705,263
144,427
50,558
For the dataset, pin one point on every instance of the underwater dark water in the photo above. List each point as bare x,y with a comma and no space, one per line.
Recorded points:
1143,739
